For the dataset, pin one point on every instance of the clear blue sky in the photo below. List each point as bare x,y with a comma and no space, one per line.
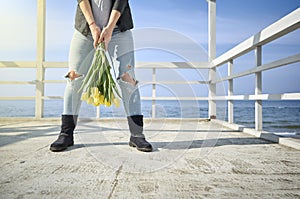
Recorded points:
236,21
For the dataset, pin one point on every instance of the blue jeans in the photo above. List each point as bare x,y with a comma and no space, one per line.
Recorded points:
81,54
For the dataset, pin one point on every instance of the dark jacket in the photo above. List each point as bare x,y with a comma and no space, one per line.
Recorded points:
124,23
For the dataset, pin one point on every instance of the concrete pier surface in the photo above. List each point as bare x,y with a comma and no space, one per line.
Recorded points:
191,159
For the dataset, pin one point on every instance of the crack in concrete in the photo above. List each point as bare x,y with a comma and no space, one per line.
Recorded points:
115,182
58,168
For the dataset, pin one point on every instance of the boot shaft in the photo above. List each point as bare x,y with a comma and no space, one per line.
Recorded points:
136,124
68,124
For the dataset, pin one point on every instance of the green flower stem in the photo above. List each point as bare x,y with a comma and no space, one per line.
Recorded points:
99,76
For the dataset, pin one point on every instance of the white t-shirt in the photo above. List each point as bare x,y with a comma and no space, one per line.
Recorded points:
101,11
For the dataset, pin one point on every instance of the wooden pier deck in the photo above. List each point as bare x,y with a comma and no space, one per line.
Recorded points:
191,159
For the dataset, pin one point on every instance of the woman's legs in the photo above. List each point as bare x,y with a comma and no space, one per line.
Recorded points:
121,48
80,58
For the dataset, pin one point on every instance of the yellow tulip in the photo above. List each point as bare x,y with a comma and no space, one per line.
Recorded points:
92,85
116,102
95,91
96,96
90,100
97,99
85,96
96,103
106,103
101,99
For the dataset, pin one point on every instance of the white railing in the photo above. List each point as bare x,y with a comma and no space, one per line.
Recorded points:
140,65
280,28
158,65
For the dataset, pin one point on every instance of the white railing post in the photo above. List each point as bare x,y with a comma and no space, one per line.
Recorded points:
153,92
40,58
230,92
98,112
212,55
258,89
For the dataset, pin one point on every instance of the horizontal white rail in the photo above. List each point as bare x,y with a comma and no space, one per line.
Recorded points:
142,98
145,65
141,82
173,65
275,64
17,82
18,98
141,65
283,26
173,82
176,98
54,81
12,64
285,96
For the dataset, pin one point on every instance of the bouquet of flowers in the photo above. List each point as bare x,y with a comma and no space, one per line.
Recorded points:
99,86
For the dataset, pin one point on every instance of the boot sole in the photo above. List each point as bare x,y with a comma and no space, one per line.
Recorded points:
140,149
58,149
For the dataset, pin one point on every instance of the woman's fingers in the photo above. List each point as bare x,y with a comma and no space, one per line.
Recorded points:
105,36
96,34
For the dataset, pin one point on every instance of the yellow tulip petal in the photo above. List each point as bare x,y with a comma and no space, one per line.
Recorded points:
85,96
117,102
101,98
90,100
95,91
96,99
106,103
96,103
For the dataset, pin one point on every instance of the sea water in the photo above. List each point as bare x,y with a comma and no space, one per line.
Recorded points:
278,116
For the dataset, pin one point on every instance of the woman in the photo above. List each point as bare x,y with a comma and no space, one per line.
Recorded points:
107,21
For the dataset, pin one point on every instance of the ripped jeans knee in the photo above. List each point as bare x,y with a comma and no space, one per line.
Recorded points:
72,74
72,95
130,93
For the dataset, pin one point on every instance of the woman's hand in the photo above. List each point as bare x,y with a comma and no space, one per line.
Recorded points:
107,31
96,32
106,35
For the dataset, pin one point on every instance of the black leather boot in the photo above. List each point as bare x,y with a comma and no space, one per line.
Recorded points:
137,138
65,138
